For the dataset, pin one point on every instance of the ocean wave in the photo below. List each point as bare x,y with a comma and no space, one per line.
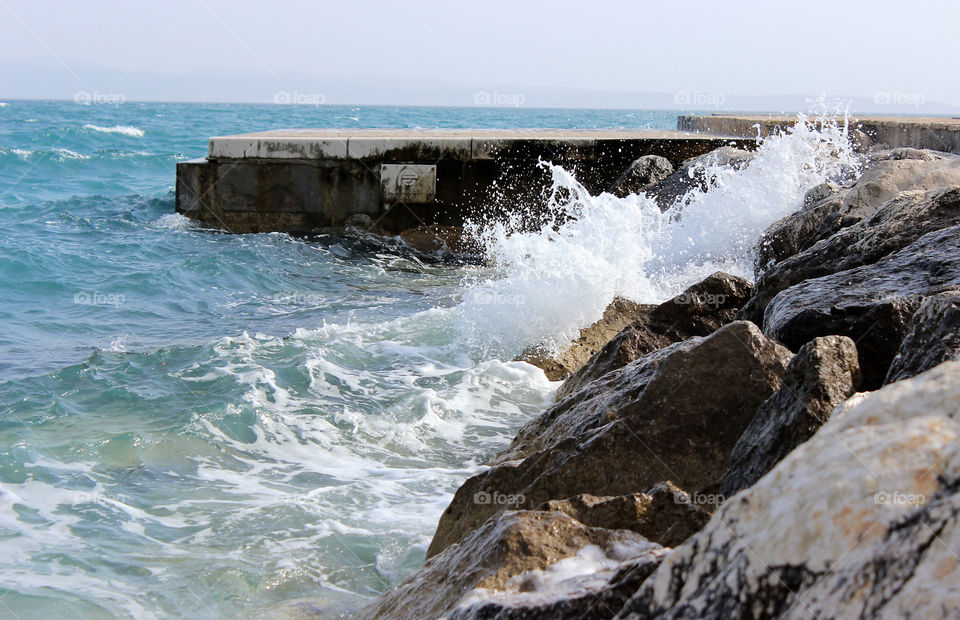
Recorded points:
175,221
23,154
549,283
130,154
65,154
127,130
59,154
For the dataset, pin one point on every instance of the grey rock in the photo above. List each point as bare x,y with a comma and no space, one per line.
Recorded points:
934,337
906,152
887,174
695,174
675,418
872,304
861,521
641,174
698,311
823,374
820,193
897,224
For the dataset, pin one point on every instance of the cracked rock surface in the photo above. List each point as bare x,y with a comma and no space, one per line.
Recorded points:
859,521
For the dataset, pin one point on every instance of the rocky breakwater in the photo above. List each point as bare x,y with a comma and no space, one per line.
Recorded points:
784,449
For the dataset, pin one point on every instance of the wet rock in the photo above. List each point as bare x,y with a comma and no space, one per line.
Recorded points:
698,311
872,304
672,415
860,140
695,174
665,514
934,337
439,239
887,174
500,557
599,594
896,225
620,313
641,174
861,521
361,221
821,192
823,374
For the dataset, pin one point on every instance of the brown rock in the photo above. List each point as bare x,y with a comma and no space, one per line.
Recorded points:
698,311
823,374
439,239
665,514
620,313
633,428
502,550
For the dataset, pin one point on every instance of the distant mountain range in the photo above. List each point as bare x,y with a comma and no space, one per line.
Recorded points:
46,80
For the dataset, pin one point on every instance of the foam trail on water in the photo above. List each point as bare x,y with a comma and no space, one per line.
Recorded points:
126,130
548,283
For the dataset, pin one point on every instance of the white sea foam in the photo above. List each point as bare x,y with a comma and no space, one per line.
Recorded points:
65,154
588,571
127,130
175,221
548,283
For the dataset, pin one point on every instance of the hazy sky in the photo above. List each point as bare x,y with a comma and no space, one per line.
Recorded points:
210,49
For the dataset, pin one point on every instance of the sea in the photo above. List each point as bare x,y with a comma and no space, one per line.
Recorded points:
195,424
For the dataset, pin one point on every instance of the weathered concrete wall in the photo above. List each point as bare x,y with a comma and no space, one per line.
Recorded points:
938,133
308,179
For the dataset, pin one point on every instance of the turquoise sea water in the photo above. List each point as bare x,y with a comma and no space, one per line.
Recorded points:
196,424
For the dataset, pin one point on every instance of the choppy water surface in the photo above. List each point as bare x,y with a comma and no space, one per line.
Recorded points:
199,424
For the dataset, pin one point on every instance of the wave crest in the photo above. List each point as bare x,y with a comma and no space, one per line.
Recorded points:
126,130
546,284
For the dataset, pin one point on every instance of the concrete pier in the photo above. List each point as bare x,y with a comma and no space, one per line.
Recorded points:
940,133
393,180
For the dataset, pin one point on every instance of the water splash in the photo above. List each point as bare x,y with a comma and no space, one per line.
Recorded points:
546,284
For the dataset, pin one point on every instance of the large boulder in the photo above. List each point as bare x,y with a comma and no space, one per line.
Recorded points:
500,557
617,315
872,304
896,225
823,374
698,173
698,311
934,337
674,420
665,514
888,174
861,521
641,174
